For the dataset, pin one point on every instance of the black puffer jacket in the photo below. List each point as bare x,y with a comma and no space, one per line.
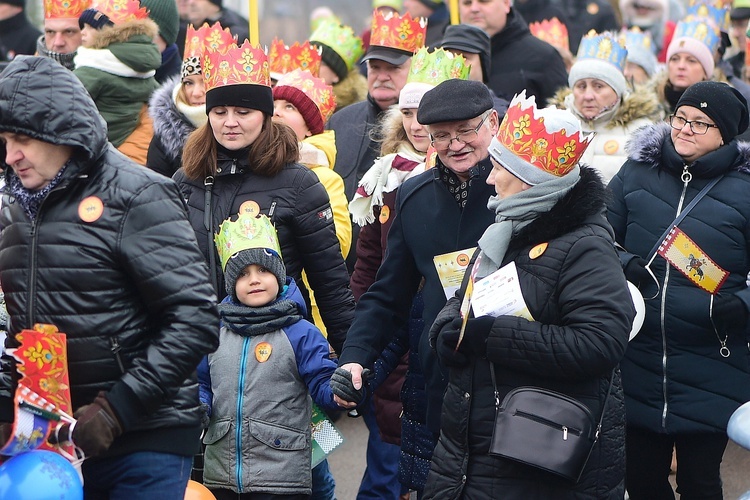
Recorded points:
298,205
130,288
577,293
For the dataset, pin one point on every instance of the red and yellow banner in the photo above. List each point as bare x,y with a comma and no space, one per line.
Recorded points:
688,258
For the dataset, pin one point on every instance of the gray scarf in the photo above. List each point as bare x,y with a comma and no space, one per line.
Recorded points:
515,212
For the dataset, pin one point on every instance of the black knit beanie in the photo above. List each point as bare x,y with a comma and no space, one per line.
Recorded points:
332,59
720,102
94,18
261,256
246,95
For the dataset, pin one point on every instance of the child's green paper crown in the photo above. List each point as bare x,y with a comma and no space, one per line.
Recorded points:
245,233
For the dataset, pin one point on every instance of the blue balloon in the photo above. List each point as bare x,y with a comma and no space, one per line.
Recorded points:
39,475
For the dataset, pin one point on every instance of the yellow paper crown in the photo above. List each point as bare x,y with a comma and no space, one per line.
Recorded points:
283,58
608,47
65,9
237,66
398,32
121,11
526,136
316,89
341,39
245,233
551,31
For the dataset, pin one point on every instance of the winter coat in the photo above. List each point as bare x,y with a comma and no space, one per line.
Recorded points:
613,128
422,205
261,408
171,65
135,146
129,289
118,72
584,15
583,312
522,61
674,377
298,205
17,37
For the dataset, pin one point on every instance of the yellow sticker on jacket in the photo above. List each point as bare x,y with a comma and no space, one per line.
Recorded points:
250,207
263,352
611,146
538,250
90,209
385,214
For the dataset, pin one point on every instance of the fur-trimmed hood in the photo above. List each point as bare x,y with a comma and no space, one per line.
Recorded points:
170,125
121,33
351,89
640,103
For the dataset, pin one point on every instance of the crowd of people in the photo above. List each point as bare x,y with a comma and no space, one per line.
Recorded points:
411,225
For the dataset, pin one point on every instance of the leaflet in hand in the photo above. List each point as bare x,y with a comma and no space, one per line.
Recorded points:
499,294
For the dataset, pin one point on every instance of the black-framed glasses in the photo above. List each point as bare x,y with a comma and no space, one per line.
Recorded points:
445,140
697,127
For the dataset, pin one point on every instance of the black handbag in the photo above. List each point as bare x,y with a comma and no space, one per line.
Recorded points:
545,429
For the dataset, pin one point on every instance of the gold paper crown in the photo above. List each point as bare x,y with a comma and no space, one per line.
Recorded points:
551,31
64,9
283,58
341,39
213,38
606,47
237,66
437,66
634,37
121,11
716,11
526,136
397,32
316,89
246,233
701,29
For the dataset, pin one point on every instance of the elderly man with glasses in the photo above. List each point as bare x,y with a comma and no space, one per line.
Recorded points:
438,219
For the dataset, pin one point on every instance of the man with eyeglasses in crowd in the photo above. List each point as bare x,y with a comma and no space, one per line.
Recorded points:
442,212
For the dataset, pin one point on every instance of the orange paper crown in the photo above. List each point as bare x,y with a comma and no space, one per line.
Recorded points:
316,89
397,32
282,58
213,38
237,66
121,11
551,31
524,134
64,9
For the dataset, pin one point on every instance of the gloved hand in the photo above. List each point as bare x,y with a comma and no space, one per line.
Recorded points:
446,345
205,415
96,427
5,431
342,386
636,272
729,313
449,311
475,336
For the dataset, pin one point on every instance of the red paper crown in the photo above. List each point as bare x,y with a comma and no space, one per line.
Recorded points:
213,38
525,135
282,58
121,11
237,66
64,9
396,32
314,88
551,31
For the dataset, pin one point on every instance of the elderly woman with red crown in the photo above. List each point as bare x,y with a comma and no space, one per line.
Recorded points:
564,328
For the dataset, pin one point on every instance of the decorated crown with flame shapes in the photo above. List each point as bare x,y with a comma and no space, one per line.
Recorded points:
437,66
533,149
608,47
65,9
236,66
341,39
699,28
284,58
245,233
634,37
316,89
398,32
197,41
715,11
121,11
551,31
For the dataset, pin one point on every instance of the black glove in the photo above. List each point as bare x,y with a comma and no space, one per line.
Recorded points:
729,313
636,272
475,336
342,386
446,345
96,427
450,310
205,415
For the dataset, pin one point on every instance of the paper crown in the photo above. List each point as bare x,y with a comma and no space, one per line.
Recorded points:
341,39
245,233
283,58
716,11
634,38
237,66
398,32
607,47
437,66
198,41
121,11
316,89
698,28
551,31
524,134
65,9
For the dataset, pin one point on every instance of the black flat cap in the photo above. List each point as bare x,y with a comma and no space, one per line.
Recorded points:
454,100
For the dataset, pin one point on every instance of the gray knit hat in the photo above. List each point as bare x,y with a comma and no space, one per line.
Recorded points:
264,257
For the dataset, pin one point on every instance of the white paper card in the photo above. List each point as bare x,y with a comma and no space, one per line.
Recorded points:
499,294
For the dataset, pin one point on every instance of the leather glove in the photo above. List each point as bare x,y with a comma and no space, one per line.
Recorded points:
342,386
636,272
96,427
475,337
205,415
729,313
446,345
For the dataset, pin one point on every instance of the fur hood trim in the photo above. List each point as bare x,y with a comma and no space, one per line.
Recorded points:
170,126
121,33
351,89
641,103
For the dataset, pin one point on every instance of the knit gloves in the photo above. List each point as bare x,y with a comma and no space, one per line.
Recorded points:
636,272
474,342
343,387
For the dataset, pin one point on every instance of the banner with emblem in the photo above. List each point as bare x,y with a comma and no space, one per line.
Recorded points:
688,258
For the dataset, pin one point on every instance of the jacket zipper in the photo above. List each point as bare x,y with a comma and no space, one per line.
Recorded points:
686,178
116,348
536,418
238,409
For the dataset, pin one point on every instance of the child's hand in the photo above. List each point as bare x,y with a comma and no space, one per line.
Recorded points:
345,390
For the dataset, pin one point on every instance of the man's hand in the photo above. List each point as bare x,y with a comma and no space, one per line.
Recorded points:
346,384
97,427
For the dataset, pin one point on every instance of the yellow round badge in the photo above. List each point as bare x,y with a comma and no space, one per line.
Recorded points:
611,146
250,207
263,352
538,250
90,209
385,214
462,260
592,8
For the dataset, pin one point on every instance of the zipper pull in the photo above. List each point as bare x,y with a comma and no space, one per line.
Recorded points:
234,166
565,433
686,175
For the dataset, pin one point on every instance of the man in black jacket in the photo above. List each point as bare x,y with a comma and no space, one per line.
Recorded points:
101,248
17,35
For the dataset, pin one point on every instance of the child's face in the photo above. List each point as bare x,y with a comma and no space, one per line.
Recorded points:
285,112
87,35
256,286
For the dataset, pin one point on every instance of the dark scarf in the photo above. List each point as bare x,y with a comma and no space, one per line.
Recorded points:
65,59
673,95
251,321
31,200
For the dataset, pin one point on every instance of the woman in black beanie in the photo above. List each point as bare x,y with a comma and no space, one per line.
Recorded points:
686,371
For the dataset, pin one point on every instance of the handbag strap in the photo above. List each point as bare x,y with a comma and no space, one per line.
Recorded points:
208,223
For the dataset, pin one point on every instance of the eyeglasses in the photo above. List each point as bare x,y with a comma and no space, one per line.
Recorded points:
445,140
700,128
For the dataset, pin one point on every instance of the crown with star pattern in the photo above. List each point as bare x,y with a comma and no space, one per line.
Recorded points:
245,233
341,39
551,31
198,40
607,46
